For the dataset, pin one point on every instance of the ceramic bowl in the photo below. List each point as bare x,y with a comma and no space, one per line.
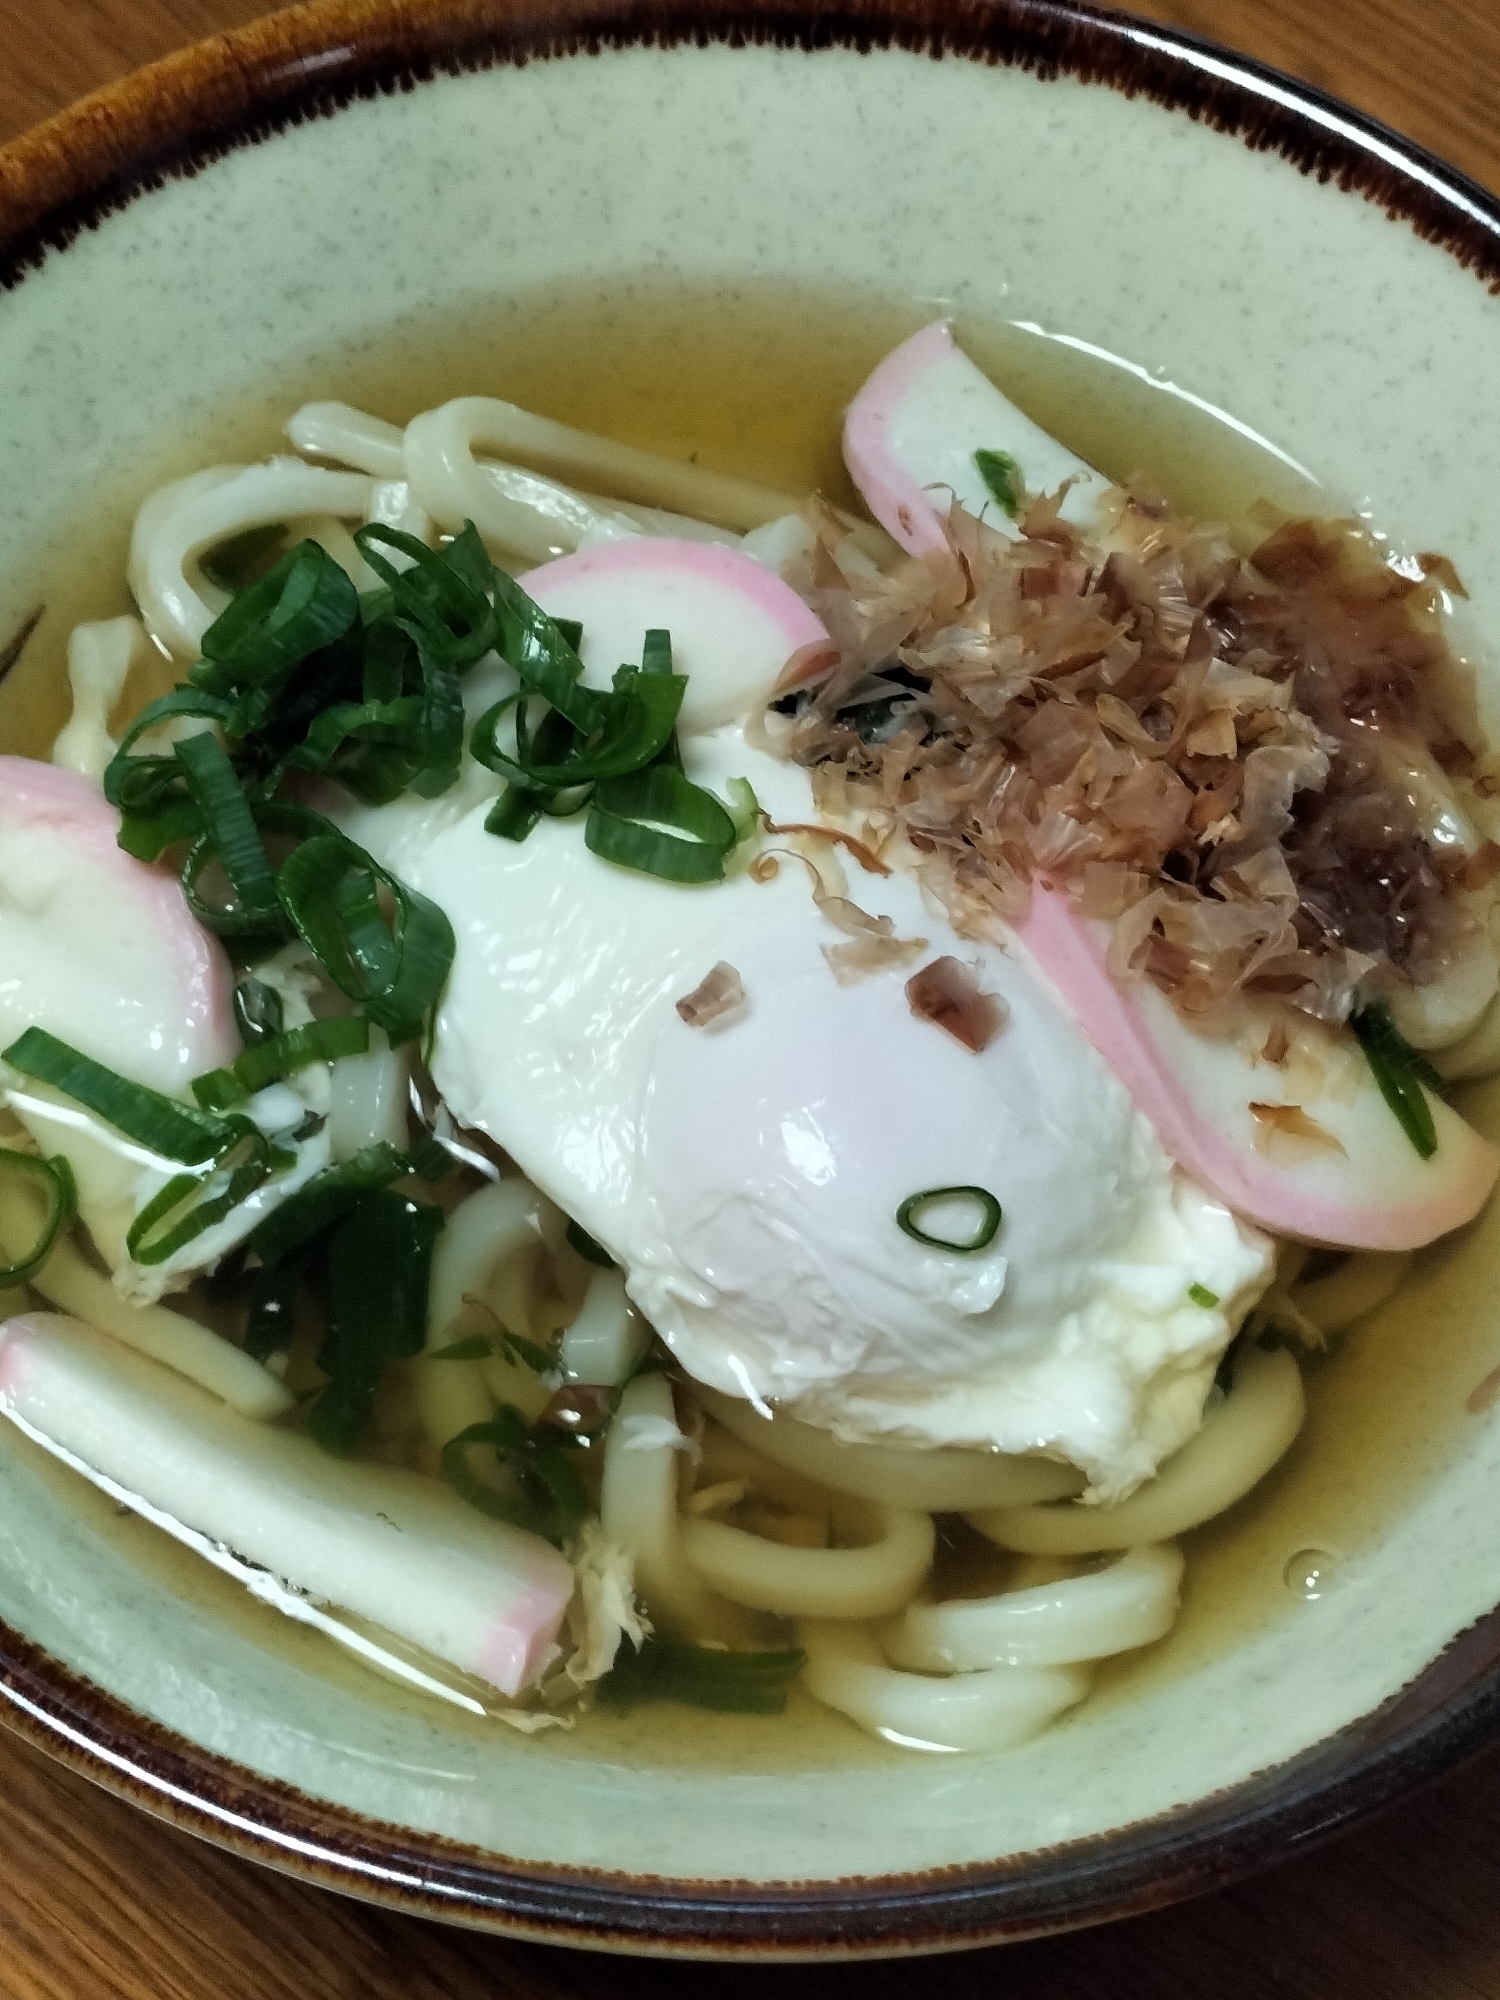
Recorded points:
728,208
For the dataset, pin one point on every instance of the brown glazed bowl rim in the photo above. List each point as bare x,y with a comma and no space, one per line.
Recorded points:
241,88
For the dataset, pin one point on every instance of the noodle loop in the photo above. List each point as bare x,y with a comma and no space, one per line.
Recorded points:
931,1481
1112,1610
1235,1448
979,1711
803,1583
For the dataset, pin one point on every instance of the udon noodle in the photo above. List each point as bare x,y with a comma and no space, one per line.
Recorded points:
729,1533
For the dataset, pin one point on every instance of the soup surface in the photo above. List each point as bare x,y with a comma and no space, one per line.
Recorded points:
758,391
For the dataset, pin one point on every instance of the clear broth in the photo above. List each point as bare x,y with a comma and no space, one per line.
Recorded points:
755,384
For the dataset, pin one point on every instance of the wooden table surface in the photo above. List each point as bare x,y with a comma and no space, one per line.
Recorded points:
96,1900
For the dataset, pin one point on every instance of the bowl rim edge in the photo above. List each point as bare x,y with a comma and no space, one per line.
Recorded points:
167,120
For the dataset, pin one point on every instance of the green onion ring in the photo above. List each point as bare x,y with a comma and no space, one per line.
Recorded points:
230,826
280,1056
62,1206
166,1224
984,1235
172,1130
660,823
395,969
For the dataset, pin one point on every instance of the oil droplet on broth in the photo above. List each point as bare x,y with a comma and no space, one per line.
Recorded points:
1310,1574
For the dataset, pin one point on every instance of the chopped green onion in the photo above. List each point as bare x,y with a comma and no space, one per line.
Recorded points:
282,1055
304,604
258,1012
324,1200
230,827
379,1273
396,968
264,928
172,1130
525,1353
545,1496
656,653
61,1195
147,836
519,807
635,724
1403,1075
430,1160
1202,1296
478,1347
1003,476
441,598
242,560
189,1204
157,808
442,730
133,783
483,1347
744,807
658,822
270,1315
543,655
515,813
732,1683
592,1252
985,1230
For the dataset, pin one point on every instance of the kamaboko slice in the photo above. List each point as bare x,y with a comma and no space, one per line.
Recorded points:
98,948
301,1527
1306,1147
912,432
734,625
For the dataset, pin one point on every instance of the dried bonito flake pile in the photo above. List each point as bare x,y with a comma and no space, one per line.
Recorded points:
1260,766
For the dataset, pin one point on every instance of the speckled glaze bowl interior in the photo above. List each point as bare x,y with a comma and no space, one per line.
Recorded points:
1182,257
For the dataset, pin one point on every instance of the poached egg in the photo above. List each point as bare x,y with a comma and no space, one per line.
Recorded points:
746,1174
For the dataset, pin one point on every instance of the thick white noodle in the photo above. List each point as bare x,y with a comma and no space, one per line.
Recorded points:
1445,1013
727,1463
335,540
492,1226
440,447
606,1337
1290,1257
811,1583
638,1512
484,1233
1357,1287
1478,1054
367,1098
1110,1610
352,437
727,1459
178,1343
391,504
521,512
348,436
100,656
992,1710
1238,1443
524,512
182,520
937,1480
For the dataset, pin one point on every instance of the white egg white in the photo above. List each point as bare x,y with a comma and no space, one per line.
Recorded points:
746,1175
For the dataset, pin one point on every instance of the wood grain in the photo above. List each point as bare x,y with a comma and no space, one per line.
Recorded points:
97,1901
